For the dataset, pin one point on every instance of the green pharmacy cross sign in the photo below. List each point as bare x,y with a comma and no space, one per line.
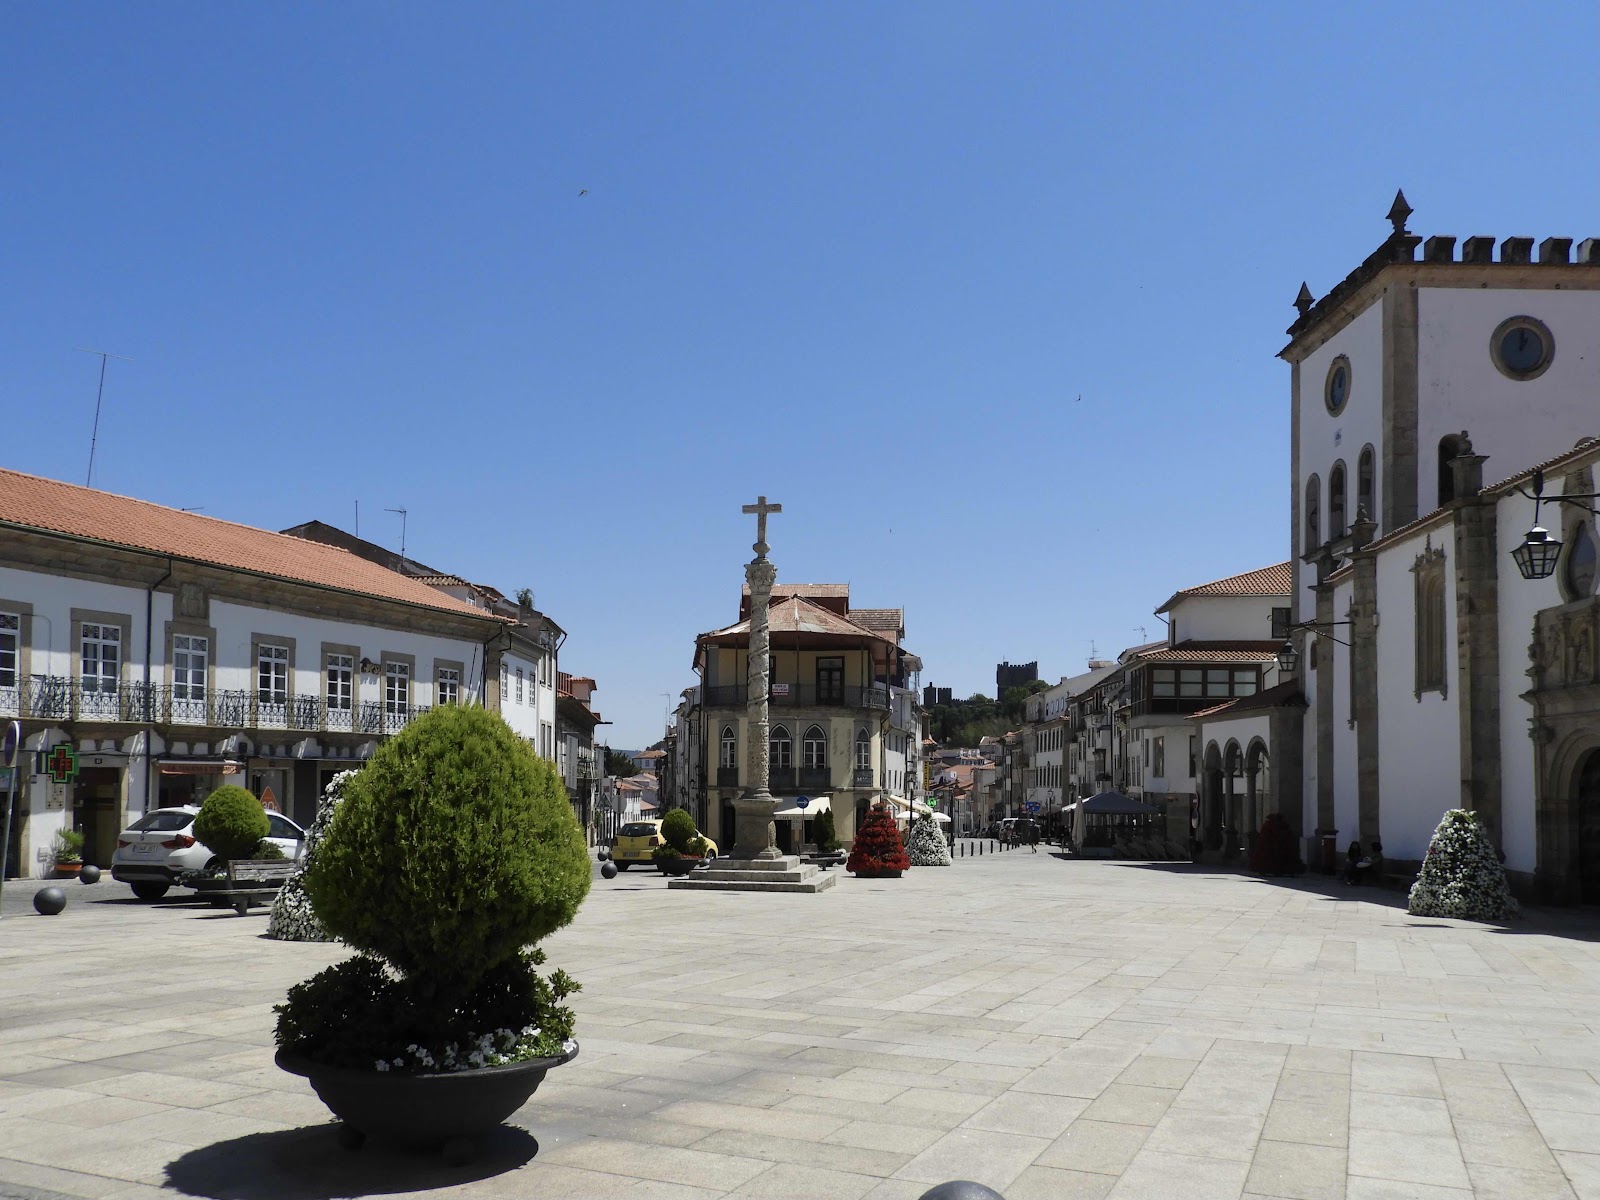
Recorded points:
62,763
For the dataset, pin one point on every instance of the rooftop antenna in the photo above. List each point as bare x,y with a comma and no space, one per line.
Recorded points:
402,513
1143,636
196,508
99,395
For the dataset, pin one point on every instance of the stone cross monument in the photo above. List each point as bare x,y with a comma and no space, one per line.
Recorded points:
754,833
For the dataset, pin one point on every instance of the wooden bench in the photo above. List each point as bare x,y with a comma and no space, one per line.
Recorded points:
249,878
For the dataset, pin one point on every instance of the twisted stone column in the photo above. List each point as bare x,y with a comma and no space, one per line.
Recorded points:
755,833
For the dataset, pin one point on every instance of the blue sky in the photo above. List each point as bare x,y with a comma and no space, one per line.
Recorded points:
861,258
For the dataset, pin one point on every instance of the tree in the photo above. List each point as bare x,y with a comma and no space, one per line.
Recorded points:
525,597
619,765
1015,700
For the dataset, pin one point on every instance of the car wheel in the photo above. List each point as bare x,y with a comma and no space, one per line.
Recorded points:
147,890
621,866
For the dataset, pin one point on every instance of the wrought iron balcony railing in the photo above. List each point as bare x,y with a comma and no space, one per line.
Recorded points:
800,695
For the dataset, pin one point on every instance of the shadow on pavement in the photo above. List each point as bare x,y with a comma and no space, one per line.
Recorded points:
309,1164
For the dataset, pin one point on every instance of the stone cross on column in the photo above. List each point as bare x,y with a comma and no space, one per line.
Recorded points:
754,833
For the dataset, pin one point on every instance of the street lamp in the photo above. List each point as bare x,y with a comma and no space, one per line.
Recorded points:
1288,658
1536,556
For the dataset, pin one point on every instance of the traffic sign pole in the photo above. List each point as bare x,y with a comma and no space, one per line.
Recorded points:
8,753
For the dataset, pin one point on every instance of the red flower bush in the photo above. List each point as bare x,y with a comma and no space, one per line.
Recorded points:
1277,850
877,846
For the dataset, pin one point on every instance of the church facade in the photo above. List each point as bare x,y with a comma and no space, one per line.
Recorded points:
1434,675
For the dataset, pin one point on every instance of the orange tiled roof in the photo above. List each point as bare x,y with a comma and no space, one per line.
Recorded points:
880,620
31,502
1215,652
1264,581
809,590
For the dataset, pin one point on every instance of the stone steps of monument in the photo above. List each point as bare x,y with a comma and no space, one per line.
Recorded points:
740,875
765,883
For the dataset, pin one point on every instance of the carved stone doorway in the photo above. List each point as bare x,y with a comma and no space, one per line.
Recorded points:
1587,793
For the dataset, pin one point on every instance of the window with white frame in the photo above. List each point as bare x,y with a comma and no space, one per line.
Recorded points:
10,632
396,688
815,749
780,750
729,757
1158,757
190,654
101,660
519,685
505,685
447,686
272,674
547,739
341,682
863,751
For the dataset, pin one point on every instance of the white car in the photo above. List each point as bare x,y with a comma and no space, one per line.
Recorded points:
160,846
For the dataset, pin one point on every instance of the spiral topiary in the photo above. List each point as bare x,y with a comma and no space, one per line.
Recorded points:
231,823
293,919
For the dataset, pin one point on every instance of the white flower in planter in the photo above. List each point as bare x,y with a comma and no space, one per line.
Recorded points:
926,845
1462,876
292,919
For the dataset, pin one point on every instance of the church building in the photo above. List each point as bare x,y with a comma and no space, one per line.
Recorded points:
1442,627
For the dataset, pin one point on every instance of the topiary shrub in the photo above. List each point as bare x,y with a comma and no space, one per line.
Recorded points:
1461,876
877,847
453,851
925,845
268,850
293,919
822,830
231,823
677,830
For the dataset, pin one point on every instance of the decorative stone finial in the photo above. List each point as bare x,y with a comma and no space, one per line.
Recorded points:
1463,444
1304,300
1399,211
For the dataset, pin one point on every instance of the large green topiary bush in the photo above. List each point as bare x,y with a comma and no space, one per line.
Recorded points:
454,848
451,853
231,823
677,830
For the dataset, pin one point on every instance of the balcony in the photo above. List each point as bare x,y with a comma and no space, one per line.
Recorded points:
727,777
59,698
796,695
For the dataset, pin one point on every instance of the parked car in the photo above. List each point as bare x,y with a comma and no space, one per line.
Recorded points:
160,846
637,840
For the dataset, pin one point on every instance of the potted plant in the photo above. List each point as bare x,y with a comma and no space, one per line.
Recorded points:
68,853
877,852
681,849
453,851
925,845
232,825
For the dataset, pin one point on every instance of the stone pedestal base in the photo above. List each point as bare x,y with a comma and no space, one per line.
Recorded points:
755,835
785,873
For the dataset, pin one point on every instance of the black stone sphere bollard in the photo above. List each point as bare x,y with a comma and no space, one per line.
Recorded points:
604,854
89,874
609,870
47,902
961,1189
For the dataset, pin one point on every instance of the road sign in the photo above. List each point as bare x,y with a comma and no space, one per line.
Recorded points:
1031,806
801,802
8,747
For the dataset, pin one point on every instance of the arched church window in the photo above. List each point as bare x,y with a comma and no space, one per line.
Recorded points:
863,751
1366,483
816,749
729,756
1430,651
1579,572
1313,513
1449,447
1336,500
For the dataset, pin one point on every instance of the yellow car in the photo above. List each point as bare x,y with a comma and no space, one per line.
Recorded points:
636,842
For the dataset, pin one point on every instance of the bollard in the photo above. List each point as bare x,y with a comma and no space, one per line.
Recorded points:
961,1189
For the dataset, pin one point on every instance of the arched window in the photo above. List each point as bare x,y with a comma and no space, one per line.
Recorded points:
780,750
730,748
1429,572
1313,513
815,748
1336,501
863,751
1449,447
1366,484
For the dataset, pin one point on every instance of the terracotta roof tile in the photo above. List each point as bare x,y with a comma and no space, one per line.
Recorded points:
1216,652
880,620
31,502
795,614
1264,581
809,590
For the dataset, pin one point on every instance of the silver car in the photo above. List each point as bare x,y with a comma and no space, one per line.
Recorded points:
160,846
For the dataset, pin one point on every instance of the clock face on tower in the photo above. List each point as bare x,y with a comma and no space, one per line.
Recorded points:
1336,392
1522,348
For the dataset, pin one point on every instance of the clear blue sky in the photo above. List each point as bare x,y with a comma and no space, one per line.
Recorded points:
862,258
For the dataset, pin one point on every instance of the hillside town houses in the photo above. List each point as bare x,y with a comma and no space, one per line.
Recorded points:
152,655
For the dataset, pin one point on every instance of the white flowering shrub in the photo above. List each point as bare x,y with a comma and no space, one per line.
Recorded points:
292,918
926,845
1462,876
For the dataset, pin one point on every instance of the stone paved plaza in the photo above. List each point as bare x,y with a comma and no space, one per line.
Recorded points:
1051,1028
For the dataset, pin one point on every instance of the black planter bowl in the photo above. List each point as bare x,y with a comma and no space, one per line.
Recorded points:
876,873
677,866
423,1112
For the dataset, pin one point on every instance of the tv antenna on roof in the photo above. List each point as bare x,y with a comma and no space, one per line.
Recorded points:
402,513
99,395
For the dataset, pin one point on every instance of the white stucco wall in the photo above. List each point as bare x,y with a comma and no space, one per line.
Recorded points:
1459,386
1419,766
1224,618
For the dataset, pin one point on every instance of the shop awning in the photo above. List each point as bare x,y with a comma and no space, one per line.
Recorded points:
788,808
201,766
